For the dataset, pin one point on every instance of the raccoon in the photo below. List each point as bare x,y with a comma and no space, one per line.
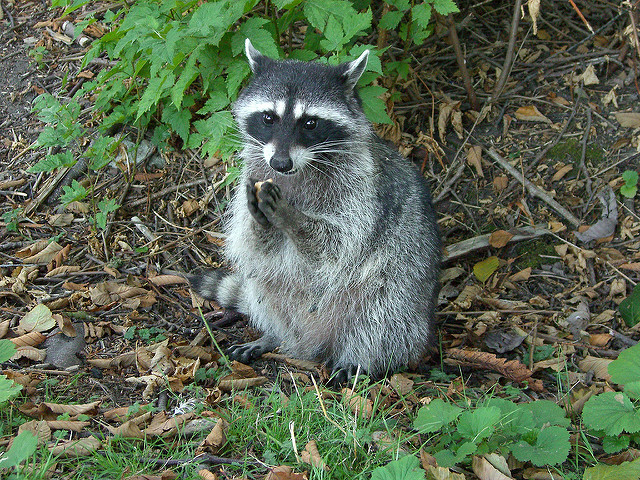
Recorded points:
332,238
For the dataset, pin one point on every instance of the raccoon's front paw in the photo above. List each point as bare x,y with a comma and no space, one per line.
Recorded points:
249,351
342,375
266,203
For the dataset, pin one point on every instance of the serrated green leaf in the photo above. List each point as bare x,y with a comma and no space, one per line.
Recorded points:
8,389
178,120
514,419
405,468
551,447
479,423
357,24
629,308
23,446
51,162
436,415
237,71
391,19
546,412
73,193
445,458
445,7
260,38
632,389
630,177
628,191
484,269
615,444
624,471
188,75
157,87
208,20
7,350
421,14
373,106
626,368
334,37
612,413
402,5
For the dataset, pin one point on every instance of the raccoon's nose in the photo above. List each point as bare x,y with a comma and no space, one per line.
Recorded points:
281,163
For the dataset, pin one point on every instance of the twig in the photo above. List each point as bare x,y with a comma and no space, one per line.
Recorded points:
583,156
465,247
508,60
455,41
575,7
164,191
533,189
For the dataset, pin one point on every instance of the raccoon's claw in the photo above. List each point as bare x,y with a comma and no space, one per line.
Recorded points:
249,351
342,375
252,203
269,201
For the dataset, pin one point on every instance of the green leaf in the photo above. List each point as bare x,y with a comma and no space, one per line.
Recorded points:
551,447
632,389
73,193
179,120
626,368
374,108
514,419
611,412
405,468
24,445
624,471
479,423
436,415
615,444
421,14
7,350
390,20
217,101
484,269
188,75
446,458
630,177
156,89
51,162
445,7
8,390
546,412
237,71
628,191
629,308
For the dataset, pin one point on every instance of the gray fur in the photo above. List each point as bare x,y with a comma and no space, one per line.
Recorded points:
338,259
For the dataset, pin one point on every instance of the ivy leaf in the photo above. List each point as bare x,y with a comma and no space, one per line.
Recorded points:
611,412
551,448
405,468
374,108
479,423
51,162
445,7
624,471
436,415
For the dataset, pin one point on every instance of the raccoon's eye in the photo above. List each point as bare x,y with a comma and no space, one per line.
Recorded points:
268,118
310,124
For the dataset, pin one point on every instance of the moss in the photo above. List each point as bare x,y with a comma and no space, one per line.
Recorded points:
529,253
570,151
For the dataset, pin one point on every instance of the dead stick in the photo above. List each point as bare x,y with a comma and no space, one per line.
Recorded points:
533,189
455,41
508,60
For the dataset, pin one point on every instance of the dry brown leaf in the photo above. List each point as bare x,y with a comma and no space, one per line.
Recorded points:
500,238
401,384
530,113
45,255
73,425
486,471
131,297
628,119
206,354
311,455
227,385
511,369
599,367
31,353
38,319
285,472
4,328
600,339
76,448
215,440
29,340
441,473
59,258
627,455
207,475
162,280
521,276
474,158
634,267
500,183
165,426
62,269
540,474
38,428
32,249
90,409
358,404
121,361
128,429
559,175
589,76
66,326
60,219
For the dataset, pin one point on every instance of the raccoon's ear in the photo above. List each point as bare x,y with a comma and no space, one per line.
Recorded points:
256,59
353,70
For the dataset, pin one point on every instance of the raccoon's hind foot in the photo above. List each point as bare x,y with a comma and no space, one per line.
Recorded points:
250,351
265,202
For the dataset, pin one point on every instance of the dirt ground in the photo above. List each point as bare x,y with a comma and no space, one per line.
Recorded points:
555,124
